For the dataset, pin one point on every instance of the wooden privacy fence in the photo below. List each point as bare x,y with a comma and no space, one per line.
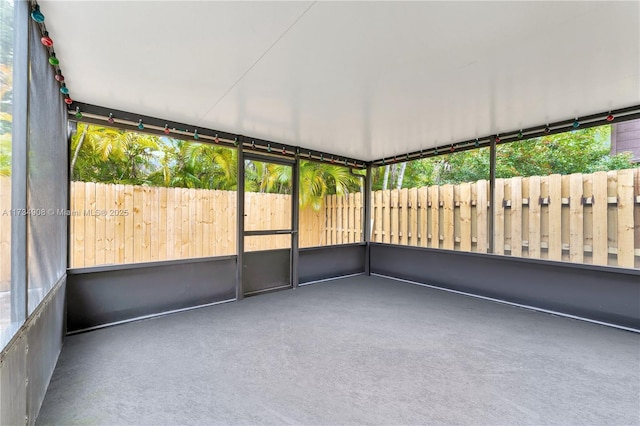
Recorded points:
342,219
112,224
583,218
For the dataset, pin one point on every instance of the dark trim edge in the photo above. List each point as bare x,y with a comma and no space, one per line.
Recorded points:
603,294
545,262
107,268
505,302
144,317
332,279
332,246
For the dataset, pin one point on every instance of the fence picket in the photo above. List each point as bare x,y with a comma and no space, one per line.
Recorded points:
205,199
340,222
137,241
499,221
336,219
448,217
465,216
146,209
403,213
129,225
186,223
110,225
377,219
90,224
358,231
414,234
395,217
482,224
555,217
423,216
345,219
534,217
77,207
576,237
600,242
434,197
100,210
199,227
625,219
516,216
154,226
386,216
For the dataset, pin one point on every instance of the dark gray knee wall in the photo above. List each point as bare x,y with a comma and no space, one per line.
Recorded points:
103,296
99,296
106,295
319,263
610,295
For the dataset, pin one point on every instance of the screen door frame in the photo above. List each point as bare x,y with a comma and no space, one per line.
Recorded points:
266,263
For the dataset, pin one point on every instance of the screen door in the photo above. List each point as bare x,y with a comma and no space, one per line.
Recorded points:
269,228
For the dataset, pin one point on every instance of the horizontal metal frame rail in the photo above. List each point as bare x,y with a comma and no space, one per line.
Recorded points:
94,114
127,120
593,120
266,158
269,232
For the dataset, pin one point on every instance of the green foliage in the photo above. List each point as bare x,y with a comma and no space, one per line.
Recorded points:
102,154
318,180
194,165
267,177
108,155
5,154
615,162
579,151
564,153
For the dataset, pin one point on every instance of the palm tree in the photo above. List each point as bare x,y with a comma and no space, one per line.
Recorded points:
116,156
195,165
215,166
88,135
104,154
319,179
177,166
267,177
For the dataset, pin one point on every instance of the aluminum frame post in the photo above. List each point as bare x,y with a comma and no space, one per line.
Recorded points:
367,219
295,216
240,220
492,191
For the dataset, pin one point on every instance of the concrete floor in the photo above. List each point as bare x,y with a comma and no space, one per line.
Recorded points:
360,350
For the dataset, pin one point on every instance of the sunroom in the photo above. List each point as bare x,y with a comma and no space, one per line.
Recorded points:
319,212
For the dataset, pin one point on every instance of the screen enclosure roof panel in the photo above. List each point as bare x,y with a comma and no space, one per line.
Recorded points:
361,79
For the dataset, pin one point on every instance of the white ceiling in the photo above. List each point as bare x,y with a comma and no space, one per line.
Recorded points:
361,79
